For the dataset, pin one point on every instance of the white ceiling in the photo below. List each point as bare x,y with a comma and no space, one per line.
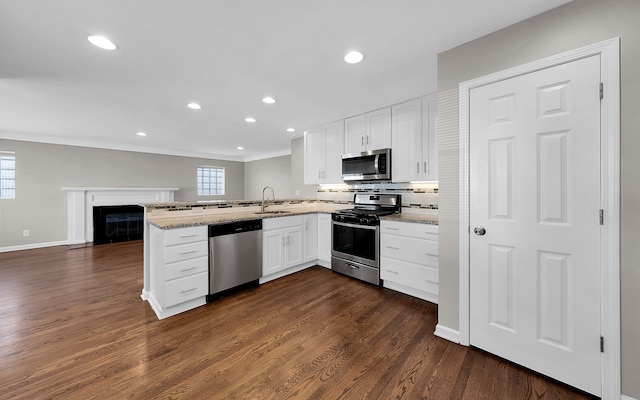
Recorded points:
55,87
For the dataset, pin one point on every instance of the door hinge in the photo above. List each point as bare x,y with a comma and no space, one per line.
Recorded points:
601,344
601,217
601,90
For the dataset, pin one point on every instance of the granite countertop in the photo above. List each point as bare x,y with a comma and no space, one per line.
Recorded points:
168,221
412,217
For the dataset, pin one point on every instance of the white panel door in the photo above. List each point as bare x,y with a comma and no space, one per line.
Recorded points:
535,200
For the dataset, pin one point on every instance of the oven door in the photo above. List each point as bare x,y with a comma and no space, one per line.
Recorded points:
354,242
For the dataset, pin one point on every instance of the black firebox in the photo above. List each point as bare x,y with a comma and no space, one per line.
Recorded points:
117,223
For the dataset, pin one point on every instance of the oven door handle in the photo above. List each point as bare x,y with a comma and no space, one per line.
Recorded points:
357,226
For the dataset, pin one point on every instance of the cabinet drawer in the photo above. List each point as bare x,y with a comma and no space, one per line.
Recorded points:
408,249
185,268
408,274
185,235
186,251
409,229
184,289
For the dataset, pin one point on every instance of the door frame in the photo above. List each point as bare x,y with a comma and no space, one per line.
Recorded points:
609,52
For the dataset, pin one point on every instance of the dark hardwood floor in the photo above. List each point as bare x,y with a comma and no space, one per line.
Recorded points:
73,326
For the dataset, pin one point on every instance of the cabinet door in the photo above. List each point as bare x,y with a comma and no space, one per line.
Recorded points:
294,250
378,127
324,237
370,131
333,150
429,141
354,134
272,251
313,156
310,237
406,133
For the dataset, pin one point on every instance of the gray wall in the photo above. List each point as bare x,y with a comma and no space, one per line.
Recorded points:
274,172
576,24
42,169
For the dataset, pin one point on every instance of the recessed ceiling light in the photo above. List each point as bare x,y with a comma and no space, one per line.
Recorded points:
269,100
194,106
250,119
291,130
141,134
353,57
240,148
102,42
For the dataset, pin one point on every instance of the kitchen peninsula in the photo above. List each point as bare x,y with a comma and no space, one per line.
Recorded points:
297,235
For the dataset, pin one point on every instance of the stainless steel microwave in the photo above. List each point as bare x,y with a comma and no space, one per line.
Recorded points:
373,165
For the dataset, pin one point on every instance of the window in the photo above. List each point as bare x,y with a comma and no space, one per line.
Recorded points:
7,175
210,180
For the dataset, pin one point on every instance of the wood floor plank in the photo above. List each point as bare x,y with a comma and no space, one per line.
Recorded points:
73,326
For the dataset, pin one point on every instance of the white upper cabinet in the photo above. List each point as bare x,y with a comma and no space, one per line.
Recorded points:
413,141
429,140
370,131
406,134
323,148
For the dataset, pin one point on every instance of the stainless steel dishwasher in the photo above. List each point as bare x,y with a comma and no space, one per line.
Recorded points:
235,256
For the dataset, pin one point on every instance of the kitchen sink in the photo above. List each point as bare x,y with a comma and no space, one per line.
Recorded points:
273,212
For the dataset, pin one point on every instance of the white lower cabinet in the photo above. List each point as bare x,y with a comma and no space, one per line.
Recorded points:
409,258
283,246
310,237
179,269
324,240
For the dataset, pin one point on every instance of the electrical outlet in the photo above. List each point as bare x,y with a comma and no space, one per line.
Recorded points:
26,232
297,193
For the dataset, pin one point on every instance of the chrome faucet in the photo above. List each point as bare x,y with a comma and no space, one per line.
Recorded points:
272,195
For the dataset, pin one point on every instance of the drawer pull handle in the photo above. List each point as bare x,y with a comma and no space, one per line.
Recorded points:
428,281
393,272
430,254
188,252
188,236
393,248
188,269
392,229
188,290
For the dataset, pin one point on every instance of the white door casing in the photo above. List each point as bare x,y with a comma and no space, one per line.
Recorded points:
534,203
609,307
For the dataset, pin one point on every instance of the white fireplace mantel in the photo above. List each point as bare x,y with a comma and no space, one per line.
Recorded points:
81,200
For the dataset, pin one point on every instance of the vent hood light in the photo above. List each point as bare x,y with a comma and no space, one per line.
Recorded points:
353,57
102,42
141,134
250,119
269,100
291,130
240,148
194,106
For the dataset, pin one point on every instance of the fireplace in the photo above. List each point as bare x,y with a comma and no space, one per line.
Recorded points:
113,224
81,200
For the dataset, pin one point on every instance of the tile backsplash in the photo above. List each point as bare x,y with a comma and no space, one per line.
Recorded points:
414,195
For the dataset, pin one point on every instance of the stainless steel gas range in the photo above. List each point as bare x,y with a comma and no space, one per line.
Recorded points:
355,235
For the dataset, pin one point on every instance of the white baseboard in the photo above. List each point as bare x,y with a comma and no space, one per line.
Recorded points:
623,397
449,334
32,246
